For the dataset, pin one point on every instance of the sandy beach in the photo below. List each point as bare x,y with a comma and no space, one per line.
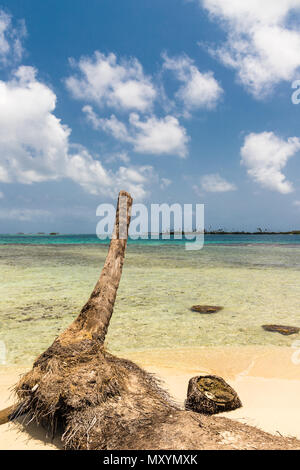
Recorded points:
265,378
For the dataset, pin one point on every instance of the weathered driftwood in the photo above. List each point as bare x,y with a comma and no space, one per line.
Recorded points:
210,394
104,402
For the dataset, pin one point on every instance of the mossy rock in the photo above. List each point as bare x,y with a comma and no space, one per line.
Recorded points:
210,395
284,330
208,309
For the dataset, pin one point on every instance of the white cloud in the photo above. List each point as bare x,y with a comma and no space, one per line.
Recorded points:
159,136
199,90
262,44
35,147
33,142
106,82
110,125
135,180
115,157
214,183
296,203
11,48
265,155
165,183
152,135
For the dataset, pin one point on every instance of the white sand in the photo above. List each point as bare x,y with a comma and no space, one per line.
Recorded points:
266,380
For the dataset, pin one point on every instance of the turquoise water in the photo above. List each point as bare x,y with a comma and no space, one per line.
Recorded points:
43,288
93,239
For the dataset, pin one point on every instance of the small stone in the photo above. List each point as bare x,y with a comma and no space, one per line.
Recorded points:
284,330
208,309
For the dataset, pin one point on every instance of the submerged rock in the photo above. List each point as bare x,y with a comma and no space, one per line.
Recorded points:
210,394
284,330
205,309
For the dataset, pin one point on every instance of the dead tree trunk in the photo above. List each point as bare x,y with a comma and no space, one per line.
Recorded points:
94,317
104,402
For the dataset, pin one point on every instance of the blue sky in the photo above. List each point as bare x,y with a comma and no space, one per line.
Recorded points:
174,100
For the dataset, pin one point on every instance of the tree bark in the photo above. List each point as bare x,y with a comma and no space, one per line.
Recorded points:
95,316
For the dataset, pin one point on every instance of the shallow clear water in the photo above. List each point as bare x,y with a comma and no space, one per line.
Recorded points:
32,239
43,288
220,239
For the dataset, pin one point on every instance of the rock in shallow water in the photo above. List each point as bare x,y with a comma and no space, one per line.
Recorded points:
210,395
205,309
284,330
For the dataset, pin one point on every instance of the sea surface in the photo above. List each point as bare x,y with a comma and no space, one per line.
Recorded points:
218,239
45,280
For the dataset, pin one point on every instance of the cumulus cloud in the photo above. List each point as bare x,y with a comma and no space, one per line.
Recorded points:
11,49
159,136
35,147
265,155
152,135
105,81
198,90
214,183
262,44
165,183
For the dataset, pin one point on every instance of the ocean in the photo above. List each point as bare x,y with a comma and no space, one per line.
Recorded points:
33,239
45,280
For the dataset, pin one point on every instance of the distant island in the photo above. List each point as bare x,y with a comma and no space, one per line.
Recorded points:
224,232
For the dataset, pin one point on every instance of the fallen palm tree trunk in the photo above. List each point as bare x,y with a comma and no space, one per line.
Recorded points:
104,402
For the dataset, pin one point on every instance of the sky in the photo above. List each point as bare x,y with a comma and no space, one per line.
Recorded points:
176,101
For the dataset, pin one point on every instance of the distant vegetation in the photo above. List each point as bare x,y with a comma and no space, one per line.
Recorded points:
221,231
258,232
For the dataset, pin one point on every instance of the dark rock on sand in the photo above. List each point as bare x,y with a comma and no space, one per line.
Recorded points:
210,394
205,309
284,330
